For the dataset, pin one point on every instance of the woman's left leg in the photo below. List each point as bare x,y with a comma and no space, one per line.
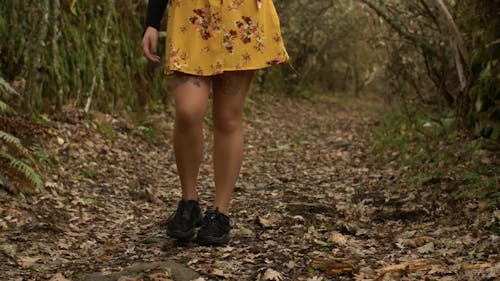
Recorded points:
230,89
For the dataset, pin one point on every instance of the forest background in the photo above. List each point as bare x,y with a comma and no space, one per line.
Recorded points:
379,145
435,61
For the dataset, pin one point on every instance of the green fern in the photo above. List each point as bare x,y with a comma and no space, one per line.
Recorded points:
28,172
3,106
15,142
12,143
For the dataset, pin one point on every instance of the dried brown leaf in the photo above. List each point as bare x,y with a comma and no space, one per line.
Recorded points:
266,223
272,275
338,239
219,273
27,261
426,249
58,277
160,276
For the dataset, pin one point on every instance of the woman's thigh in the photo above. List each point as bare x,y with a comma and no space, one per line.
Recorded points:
230,89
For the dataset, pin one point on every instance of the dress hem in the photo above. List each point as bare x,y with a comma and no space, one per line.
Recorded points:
189,71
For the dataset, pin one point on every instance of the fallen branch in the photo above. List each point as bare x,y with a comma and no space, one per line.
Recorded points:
334,266
409,266
476,266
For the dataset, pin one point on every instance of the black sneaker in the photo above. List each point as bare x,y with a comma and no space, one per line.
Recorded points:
215,229
183,222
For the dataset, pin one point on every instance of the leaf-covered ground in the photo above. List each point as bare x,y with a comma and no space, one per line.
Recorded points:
315,201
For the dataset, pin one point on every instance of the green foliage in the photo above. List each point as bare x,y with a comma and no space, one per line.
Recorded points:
485,89
42,155
89,200
22,167
14,142
247,110
11,145
485,94
327,41
148,133
209,119
434,152
3,107
67,37
76,49
88,174
422,67
106,129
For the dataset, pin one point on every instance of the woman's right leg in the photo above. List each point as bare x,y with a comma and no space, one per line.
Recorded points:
191,98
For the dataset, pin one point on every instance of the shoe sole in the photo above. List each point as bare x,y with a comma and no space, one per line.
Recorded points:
213,241
184,236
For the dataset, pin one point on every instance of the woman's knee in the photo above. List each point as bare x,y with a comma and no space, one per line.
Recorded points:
228,123
188,119
191,97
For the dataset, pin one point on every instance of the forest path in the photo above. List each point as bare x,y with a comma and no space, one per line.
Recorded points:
314,201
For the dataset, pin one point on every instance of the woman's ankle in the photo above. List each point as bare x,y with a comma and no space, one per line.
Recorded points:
190,197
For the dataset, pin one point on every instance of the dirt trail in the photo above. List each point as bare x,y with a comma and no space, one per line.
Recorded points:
313,202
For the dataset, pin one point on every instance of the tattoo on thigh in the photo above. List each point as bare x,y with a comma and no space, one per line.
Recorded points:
196,82
234,86
181,79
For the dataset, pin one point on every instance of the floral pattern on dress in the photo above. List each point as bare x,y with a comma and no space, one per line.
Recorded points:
277,37
249,29
229,40
217,69
235,5
177,58
247,58
280,58
199,71
205,21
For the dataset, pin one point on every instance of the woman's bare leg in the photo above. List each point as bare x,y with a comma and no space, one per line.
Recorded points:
230,89
191,98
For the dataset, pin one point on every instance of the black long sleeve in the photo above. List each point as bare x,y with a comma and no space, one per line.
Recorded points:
156,9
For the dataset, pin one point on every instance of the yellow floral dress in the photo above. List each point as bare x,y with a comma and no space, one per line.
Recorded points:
208,37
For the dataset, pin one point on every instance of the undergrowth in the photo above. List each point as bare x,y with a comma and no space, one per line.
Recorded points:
17,162
435,152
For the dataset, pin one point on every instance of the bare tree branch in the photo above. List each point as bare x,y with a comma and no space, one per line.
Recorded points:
454,30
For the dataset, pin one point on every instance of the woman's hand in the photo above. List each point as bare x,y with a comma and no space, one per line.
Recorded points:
150,44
